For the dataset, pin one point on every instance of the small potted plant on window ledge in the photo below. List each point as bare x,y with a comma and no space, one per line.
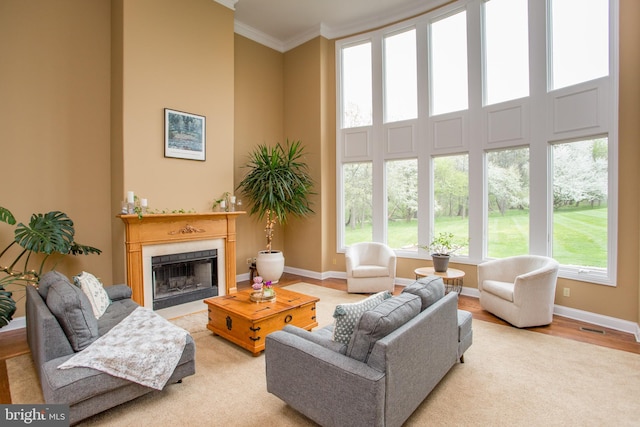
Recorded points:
441,248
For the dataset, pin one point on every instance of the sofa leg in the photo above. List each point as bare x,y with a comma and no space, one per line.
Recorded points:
179,381
462,359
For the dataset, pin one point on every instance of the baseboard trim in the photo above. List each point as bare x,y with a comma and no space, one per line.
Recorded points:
571,313
17,323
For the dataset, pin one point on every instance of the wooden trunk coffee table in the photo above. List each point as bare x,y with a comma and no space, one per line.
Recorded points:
246,323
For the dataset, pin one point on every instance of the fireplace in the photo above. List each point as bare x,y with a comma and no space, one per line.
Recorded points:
158,235
184,277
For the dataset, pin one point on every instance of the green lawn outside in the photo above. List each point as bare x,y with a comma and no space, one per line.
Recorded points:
580,234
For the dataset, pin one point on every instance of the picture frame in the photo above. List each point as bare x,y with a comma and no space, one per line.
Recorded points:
184,135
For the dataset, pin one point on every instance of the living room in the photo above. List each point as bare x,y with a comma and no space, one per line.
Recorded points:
85,85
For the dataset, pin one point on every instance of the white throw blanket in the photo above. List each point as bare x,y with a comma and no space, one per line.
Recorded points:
144,348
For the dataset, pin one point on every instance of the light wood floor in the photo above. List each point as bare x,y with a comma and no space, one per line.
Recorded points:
14,343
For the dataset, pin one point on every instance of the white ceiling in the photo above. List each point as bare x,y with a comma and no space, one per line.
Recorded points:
284,24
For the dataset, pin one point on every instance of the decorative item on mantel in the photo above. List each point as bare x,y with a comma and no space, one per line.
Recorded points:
227,203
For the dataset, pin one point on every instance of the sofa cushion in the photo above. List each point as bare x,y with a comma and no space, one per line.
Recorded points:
95,292
48,279
379,322
74,313
346,315
430,289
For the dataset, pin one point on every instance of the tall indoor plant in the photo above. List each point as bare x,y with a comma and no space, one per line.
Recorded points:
277,184
46,234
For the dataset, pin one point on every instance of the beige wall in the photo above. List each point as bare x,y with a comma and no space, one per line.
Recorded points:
54,120
177,55
259,110
84,85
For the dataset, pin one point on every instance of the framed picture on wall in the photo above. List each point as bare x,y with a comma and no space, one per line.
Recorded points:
184,135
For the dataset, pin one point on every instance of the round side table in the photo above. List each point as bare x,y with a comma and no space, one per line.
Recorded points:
452,278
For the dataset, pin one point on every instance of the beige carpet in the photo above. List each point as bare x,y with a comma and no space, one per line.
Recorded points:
510,377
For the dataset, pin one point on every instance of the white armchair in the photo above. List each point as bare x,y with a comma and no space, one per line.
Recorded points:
371,267
519,289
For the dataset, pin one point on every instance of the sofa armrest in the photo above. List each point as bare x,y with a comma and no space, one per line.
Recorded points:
45,336
118,292
320,337
328,387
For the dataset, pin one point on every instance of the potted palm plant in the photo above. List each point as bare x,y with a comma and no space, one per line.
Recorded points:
278,184
46,234
441,248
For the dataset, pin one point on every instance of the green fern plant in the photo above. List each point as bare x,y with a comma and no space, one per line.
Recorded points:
46,234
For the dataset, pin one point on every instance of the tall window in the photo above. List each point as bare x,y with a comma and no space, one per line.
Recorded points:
402,204
508,207
451,197
580,208
506,38
356,86
449,87
447,125
579,41
400,77
357,180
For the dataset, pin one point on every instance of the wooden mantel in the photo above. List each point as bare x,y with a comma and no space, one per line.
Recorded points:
155,229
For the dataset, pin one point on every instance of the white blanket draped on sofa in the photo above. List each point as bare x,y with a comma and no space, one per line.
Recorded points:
144,348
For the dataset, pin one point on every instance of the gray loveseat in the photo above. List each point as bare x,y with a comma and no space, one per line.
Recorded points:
86,391
399,351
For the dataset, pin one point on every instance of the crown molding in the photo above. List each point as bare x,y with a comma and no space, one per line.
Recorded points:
417,8
231,4
257,36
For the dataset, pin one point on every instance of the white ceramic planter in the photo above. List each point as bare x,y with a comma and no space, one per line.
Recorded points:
270,265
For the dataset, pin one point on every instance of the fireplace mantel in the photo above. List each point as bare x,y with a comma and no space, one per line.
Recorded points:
154,229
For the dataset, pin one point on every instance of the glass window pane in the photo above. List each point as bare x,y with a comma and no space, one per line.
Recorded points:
400,77
580,184
506,47
402,204
449,85
579,41
357,184
356,86
508,209
451,197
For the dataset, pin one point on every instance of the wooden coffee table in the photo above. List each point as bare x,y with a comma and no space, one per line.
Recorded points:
246,323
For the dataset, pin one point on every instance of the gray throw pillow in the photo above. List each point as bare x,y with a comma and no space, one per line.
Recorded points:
346,315
380,322
48,279
430,289
74,313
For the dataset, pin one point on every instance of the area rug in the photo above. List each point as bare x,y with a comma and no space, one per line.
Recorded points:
510,377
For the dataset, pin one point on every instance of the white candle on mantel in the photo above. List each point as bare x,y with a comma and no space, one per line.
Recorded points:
143,203
223,204
130,197
233,199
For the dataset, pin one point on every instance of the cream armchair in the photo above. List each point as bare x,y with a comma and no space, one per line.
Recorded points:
371,267
519,289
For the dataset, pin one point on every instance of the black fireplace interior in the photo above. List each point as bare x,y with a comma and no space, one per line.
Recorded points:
185,277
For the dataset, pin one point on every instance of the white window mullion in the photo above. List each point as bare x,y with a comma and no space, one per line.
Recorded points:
425,196
477,198
379,187
541,192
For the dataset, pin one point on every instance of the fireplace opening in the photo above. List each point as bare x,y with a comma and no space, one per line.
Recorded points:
184,277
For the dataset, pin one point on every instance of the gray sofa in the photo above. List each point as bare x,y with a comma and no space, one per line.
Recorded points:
398,353
86,391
